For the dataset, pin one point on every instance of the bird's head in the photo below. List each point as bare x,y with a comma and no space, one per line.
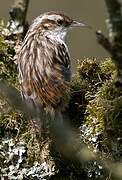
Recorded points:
55,25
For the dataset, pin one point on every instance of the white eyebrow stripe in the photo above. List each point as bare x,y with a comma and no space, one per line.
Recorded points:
52,17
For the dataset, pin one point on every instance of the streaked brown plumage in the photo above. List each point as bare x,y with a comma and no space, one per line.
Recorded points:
44,62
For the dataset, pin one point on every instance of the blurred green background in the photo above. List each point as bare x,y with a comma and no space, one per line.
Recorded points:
82,42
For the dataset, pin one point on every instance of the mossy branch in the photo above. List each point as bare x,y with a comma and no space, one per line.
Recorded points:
66,139
113,44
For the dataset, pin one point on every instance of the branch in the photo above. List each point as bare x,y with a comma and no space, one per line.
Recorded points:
104,41
67,140
115,17
113,44
18,14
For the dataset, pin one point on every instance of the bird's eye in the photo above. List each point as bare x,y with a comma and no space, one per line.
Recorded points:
60,22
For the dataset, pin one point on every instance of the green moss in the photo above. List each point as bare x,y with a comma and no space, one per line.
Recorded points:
104,108
94,118
92,83
108,91
7,65
77,83
11,121
8,116
107,67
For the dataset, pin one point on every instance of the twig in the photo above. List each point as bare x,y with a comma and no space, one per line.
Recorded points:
104,41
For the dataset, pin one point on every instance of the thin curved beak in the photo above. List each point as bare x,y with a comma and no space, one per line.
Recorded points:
80,24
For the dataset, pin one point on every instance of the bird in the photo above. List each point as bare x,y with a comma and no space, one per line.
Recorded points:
44,65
